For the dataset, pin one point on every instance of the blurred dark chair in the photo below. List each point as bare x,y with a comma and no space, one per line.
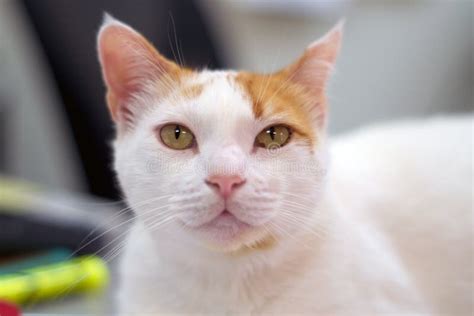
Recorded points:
67,32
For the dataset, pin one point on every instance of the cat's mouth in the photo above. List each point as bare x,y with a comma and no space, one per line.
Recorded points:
224,226
225,218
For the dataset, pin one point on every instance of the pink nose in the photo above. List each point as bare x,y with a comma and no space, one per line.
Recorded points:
225,183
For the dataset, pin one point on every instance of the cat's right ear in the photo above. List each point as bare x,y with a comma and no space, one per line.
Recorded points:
129,62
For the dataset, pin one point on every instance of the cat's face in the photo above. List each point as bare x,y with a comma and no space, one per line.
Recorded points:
224,159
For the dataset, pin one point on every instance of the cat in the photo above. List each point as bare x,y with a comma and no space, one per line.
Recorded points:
244,207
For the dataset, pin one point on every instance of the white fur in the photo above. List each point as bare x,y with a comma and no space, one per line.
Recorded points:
389,231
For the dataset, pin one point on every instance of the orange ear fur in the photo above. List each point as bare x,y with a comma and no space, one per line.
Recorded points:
313,69
298,90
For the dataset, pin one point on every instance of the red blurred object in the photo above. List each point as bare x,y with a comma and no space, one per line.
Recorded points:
7,309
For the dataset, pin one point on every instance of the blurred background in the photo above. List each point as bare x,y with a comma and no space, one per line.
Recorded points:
399,59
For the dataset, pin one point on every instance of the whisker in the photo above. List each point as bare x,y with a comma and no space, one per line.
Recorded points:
118,214
112,228
303,224
286,233
304,207
178,58
157,224
121,239
298,196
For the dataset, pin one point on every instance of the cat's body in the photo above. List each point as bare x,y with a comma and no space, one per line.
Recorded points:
399,242
240,211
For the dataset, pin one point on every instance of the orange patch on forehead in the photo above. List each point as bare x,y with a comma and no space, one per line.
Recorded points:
176,83
192,91
277,95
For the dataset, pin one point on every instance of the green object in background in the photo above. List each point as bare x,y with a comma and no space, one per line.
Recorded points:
41,259
82,274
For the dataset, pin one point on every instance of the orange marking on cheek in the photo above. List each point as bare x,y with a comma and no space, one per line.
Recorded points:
266,243
276,94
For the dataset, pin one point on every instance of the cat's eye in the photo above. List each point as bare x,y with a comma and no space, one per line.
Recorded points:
273,136
176,136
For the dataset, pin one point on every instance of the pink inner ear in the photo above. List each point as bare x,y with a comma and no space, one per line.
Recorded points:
115,53
115,73
123,54
128,62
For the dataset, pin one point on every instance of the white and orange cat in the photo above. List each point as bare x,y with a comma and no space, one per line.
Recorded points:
242,207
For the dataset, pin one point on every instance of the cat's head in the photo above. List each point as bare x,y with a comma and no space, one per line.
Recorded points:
222,159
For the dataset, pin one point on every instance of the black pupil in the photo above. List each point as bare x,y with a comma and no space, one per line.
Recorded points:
271,132
177,131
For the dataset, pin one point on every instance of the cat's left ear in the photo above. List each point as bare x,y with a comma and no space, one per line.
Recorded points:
313,69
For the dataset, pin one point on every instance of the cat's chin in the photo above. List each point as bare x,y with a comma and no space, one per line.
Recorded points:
225,232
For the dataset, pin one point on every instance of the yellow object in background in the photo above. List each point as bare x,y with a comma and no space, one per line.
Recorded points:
82,274
15,194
